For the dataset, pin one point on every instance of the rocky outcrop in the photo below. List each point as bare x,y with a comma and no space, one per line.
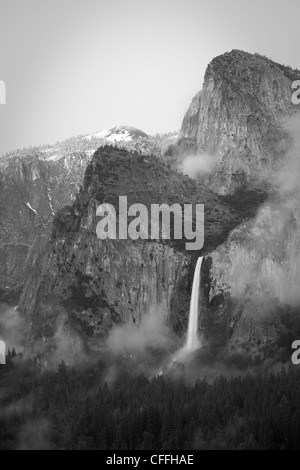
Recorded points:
31,190
252,280
190,123
251,258
96,284
237,119
36,182
245,121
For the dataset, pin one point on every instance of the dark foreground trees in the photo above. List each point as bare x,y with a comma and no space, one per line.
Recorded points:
82,409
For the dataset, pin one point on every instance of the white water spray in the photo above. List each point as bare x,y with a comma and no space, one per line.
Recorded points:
192,340
2,353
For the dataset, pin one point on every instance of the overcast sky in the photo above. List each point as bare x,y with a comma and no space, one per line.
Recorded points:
79,66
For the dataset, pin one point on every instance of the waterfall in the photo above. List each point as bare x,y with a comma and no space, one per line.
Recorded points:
2,352
192,340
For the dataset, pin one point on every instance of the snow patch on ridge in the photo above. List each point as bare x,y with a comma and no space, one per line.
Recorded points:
31,208
117,134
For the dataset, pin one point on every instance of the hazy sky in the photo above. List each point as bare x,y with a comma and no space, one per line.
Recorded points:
78,66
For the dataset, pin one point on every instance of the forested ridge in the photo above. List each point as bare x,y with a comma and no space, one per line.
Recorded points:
83,408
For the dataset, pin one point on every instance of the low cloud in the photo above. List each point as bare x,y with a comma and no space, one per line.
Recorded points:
153,332
12,327
68,346
34,435
197,165
265,260
287,176
145,344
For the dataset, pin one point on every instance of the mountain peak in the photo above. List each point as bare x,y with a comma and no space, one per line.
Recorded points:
118,133
237,120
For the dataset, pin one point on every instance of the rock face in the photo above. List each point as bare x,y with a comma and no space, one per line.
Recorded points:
252,279
34,184
237,119
242,119
32,189
250,271
190,123
96,283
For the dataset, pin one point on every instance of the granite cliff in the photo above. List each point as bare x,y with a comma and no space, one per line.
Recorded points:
32,189
237,119
241,120
94,284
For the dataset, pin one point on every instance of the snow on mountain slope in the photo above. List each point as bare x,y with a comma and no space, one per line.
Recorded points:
118,133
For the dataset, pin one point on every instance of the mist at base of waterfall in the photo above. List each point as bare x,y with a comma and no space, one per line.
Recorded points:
193,342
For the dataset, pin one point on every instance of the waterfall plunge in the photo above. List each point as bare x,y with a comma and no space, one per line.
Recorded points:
2,353
192,340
